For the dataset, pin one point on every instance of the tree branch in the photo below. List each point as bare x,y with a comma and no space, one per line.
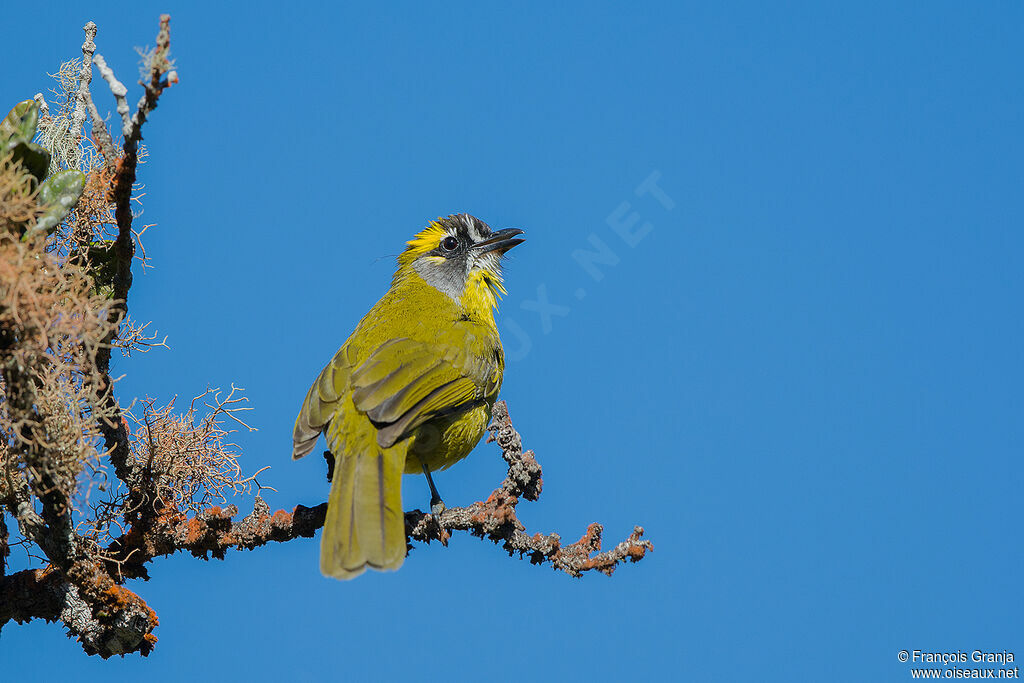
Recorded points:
213,532
496,517
31,594
114,433
85,78
111,621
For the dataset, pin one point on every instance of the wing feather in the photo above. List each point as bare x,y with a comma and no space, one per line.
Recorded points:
321,403
425,380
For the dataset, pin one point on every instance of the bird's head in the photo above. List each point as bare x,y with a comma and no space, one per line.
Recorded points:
460,256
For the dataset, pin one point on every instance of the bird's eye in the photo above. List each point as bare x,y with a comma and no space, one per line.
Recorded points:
449,243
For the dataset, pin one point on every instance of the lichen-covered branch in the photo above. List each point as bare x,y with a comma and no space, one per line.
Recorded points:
214,531
211,533
495,518
159,64
106,618
82,98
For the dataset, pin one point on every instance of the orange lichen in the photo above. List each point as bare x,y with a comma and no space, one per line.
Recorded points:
194,531
498,509
119,597
281,519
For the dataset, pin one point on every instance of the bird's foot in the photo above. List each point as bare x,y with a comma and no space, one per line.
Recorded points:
436,506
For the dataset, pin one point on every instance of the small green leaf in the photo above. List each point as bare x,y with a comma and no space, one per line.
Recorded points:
59,195
34,158
20,123
64,188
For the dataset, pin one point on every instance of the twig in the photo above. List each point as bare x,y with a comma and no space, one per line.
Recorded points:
82,98
159,65
119,91
101,135
44,108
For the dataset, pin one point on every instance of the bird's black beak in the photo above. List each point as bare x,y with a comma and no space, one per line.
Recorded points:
500,241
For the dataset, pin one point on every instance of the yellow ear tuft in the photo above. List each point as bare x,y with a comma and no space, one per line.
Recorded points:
425,240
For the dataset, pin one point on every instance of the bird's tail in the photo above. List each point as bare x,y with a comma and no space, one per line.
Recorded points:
365,525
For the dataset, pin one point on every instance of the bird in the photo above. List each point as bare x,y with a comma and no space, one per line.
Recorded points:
410,390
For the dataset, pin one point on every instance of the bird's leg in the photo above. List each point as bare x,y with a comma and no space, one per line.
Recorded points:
436,504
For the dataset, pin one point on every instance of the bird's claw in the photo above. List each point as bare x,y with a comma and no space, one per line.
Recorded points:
437,507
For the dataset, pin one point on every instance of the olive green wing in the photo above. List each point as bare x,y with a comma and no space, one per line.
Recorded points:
405,383
322,401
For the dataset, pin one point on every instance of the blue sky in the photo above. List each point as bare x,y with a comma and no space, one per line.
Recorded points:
803,379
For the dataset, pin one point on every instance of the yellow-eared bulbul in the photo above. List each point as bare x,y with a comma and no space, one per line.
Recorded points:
410,391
